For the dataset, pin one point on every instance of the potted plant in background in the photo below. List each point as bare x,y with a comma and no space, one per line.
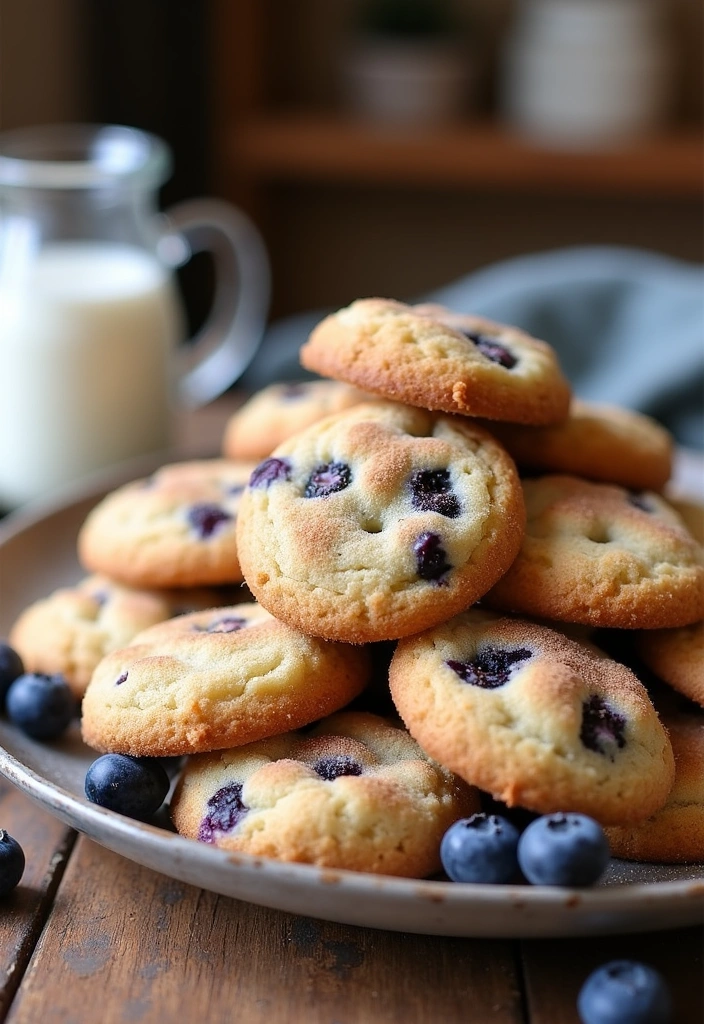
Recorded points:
405,64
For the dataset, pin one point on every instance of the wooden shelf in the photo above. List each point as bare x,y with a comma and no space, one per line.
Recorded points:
308,147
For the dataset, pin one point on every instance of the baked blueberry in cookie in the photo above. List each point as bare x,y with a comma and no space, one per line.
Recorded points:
225,811
217,678
178,532
387,519
431,357
490,668
355,791
431,491
532,717
270,471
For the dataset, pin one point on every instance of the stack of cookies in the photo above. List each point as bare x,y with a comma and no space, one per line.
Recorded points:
436,531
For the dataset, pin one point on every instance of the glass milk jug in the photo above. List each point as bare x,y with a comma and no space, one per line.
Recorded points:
91,324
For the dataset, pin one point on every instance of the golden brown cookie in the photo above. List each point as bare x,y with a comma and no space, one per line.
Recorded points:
276,412
355,792
175,529
215,679
675,833
677,657
378,522
429,357
71,630
532,717
598,442
603,556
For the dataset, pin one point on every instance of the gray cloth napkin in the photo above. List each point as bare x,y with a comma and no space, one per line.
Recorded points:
628,327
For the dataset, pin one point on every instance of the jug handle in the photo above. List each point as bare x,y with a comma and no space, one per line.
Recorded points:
221,351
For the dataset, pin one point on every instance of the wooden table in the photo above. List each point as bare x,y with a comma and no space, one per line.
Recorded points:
91,938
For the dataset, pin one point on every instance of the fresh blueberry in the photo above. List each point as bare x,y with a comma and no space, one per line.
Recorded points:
331,768
225,811
492,667
640,501
10,668
328,478
40,705
11,862
563,849
134,786
624,992
431,558
480,849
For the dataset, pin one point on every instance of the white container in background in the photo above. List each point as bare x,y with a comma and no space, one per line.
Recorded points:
91,325
405,83
586,72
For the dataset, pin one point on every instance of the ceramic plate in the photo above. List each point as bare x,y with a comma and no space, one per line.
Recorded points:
37,554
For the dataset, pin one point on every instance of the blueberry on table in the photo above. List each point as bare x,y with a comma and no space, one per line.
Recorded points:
11,862
134,786
40,705
563,849
481,848
10,667
624,992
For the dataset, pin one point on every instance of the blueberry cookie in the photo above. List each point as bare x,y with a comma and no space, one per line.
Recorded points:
677,657
534,718
214,679
71,630
599,442
379,522
427,356
356,792
675,833
603,556
691,512
175,529
276,412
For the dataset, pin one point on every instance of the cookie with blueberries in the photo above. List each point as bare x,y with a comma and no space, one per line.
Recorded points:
430,357
379,522
534,718
675,833
597,442
214,679
602,555
354,792
276,412
176,528
71,630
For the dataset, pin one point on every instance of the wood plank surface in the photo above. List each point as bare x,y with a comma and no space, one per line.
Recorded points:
130,946
47,845
555,970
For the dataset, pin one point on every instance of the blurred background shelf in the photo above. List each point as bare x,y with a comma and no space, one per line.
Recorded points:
305,146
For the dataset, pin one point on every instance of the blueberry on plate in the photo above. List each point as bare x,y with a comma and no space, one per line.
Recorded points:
134,786
624,992
563,849
11,862
481,848
10,667
40,705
